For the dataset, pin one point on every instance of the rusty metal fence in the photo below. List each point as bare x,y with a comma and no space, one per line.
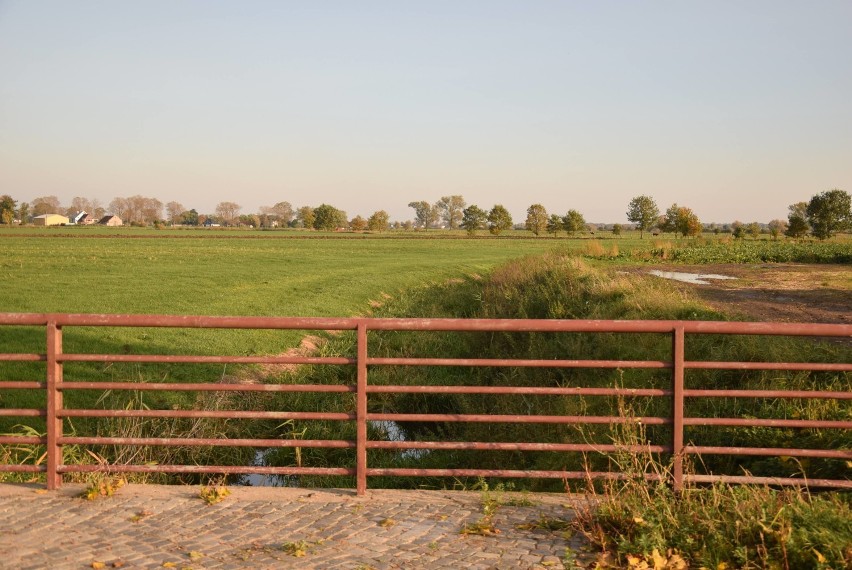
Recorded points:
55,386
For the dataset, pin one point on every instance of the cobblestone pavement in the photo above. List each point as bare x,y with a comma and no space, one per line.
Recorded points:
149,526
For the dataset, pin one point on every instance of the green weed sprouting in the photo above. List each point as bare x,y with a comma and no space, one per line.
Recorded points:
639,522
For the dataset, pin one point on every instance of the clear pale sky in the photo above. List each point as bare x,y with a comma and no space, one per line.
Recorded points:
733,108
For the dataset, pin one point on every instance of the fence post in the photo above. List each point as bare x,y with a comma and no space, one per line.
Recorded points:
677,406
54,405
361,412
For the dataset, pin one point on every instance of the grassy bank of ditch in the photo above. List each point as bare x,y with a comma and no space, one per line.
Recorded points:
634,522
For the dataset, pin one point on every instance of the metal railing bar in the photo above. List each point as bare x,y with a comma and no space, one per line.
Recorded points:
760,422
22,385
24,413
805,366
781,481
21,357
223,469
184,359
23,468
216,442
484,418
530,390
518,363
637,326
769,451
205,387
788,394
508,446
484,325
23,439
178,321
507,473
222,414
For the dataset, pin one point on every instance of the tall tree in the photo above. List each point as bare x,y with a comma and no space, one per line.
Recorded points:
46,205
306,217
573,222
643,211
536,219
776,228
473,218
228,211
121,208
680,219
738,229
79,204
753,229
24,212
554,224
499,220
358,224
829,212
451,209
329,218
174,210
7,209
189,218
379,221
797,220
283,212
425,214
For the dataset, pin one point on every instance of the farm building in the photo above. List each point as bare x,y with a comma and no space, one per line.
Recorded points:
111,221
80,218
50,220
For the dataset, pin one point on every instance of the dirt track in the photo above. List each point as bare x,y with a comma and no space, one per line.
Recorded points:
777,292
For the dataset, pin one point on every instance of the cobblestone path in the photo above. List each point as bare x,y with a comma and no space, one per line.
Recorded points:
148,526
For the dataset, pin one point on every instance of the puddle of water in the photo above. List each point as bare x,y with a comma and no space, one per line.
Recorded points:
395,433
391,429
694,278
262,480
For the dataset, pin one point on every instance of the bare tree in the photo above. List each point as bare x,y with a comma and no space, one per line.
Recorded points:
46,205
174,210
120,207
451,209
228,211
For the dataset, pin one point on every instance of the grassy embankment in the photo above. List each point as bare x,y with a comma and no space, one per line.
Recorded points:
717,527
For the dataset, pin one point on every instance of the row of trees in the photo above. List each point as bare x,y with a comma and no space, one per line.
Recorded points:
823,216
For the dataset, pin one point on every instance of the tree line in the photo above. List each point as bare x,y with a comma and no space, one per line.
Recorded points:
823,216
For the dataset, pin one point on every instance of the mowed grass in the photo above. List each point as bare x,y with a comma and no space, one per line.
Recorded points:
140,272
231,276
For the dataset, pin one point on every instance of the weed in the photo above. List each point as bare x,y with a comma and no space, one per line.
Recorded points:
102,485
522,500
490,501
213,493
297,549
140,515
387,523
546,523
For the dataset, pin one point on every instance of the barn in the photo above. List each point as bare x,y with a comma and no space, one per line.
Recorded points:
111,221
50,220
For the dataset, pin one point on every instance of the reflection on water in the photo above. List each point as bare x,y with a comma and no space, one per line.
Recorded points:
694,278
388,430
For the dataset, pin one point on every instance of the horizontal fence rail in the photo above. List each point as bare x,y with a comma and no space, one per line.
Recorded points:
55,415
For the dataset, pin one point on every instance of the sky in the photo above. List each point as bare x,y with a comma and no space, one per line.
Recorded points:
735,109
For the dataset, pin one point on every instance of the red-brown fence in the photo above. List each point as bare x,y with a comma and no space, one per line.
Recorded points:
55,386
